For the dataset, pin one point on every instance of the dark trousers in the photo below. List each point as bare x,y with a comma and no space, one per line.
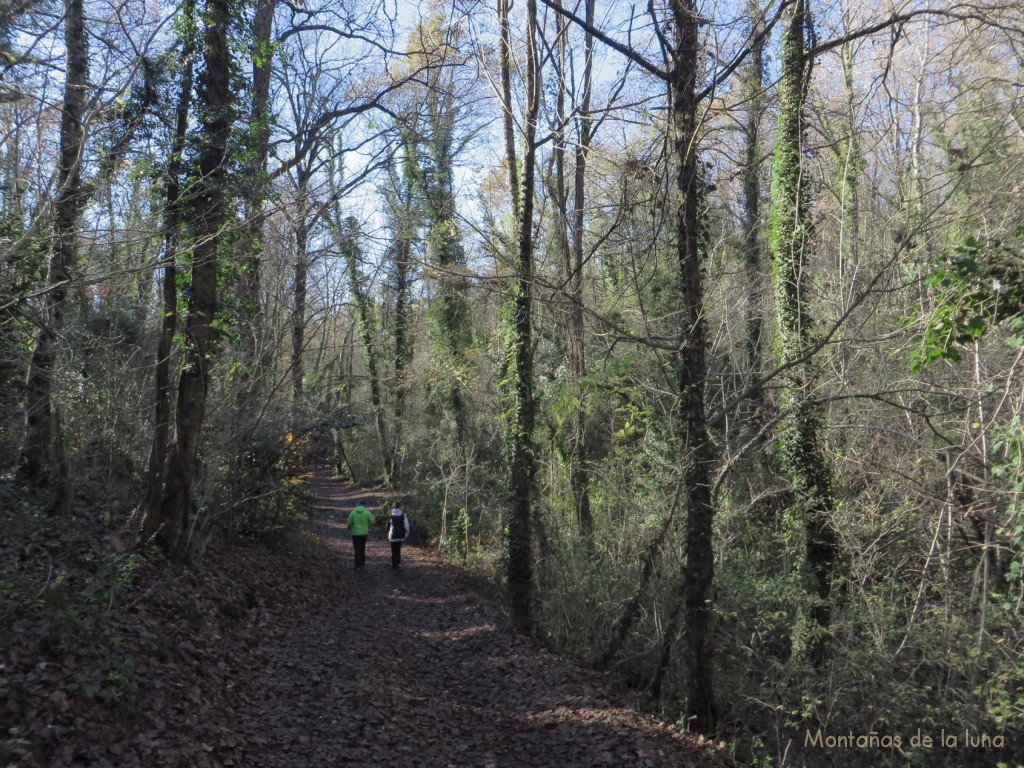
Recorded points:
396,554
359,542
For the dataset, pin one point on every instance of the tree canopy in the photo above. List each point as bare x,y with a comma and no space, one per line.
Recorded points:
695,326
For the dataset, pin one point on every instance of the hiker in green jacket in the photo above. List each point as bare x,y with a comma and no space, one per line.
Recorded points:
359,521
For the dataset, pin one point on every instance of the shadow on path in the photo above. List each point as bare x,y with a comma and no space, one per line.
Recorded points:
412,669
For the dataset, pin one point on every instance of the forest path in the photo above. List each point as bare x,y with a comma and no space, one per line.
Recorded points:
411,668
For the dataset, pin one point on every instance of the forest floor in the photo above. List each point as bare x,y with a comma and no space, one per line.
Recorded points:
297,660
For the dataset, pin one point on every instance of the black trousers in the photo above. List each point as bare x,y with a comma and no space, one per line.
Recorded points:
359,542
396,554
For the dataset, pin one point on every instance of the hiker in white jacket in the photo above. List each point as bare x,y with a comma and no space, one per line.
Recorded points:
398,529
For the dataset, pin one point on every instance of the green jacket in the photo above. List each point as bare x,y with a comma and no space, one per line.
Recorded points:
359,521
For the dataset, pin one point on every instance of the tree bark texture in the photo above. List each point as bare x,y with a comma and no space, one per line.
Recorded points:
210,217
753,93
402,353
172,230
367,328
299,288
257,191
42,460
505,78
801,455
691,372
520,555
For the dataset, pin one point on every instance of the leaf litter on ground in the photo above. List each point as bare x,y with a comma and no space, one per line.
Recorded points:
293,659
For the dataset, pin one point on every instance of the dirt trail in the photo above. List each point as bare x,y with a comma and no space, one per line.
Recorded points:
289,658
413,669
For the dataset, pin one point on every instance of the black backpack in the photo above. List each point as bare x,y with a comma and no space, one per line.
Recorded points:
398,526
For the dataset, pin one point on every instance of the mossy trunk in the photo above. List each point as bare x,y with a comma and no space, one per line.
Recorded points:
210,218
402,352
753,94
162,405
522,458
349,236
691,374
450,318
251,330
579,472
799,450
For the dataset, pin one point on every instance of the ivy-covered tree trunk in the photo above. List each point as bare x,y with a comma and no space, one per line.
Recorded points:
402,212
691,373
257,189
752,85
800,453
402,353
450,321
520,554
349,236
209,219
42,460
150,509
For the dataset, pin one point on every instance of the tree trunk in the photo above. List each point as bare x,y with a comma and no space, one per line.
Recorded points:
403,343
350,244
299,311
579,475
505,77
800,453
753,94
520,556
172,225
210,218
42,459
569,236
852,164
252,238
450,316
299,288
405,219
691,372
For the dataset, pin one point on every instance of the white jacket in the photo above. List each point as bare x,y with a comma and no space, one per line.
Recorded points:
408,526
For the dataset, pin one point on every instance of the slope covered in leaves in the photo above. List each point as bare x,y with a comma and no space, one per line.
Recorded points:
297,660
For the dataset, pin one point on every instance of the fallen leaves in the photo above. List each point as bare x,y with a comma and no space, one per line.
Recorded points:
247,664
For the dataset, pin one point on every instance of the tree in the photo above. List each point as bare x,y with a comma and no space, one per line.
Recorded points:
209,218
521,419
800,453
301,227
403,213
347,232
688,356
42,459
436,153
570,231
260,118
690,363
752,87
172,236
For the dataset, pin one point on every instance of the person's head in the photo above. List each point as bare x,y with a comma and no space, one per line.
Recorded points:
396,511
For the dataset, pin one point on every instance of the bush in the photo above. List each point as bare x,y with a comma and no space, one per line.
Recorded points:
262,490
